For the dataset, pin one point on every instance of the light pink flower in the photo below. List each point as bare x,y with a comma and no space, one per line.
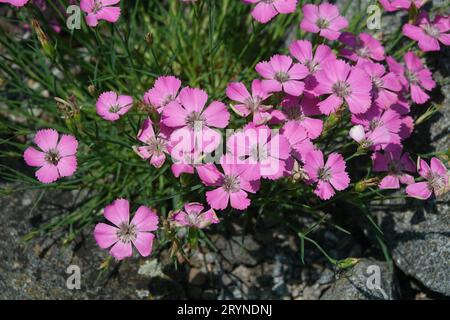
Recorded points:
57,158
323,19
396,164
302,51
194,217
233,186
100,10
298,139
164,91
193,121
385,86
15,3
340,82
282,75
370,139
111,106
437,180
155,147
265,10
394,5
250,103
328,175
403,108
361,48
414,77
124,233
264,151
429,34
300,110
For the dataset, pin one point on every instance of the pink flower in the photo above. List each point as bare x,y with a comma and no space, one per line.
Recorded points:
428,34
163,92
302,51
361,48
301,111
282,75
342,82
155,147
194,217
264,151
265,10
193,121
323,19
376,117
233,186
372,138
437,180
15,3
111,106
330,175
385,86
250,103
124,233
56,160
396,164
100,10
413,76
394,5
298,139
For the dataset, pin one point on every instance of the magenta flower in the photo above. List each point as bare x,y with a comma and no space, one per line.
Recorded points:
155,147
111,106
396,164
429,34
414,76
361,48
282,75
377,117
100,10
56,160
301,111
15,3
265,10
191,119
394,5
385,86
124,233
302,51
323,19
298,139
328,175
194,217
264,151
250,103
379,136
341,82
163,92
233,186
437,180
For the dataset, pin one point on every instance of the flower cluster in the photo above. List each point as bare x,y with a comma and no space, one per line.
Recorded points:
288,109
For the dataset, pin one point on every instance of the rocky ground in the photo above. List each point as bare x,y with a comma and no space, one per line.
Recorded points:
245,264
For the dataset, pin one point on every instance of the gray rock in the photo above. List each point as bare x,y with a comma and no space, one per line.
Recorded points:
240,250
359,283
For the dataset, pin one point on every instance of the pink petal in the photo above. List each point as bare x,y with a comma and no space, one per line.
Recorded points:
424,170
145,219
118,212
301,50
48,173
174,115
110,14
144,243
34,157
271,85
46,139
121,250
239,200
419,190
67,145
438,167
217,115
293,87
389,182
418,95
218,198
105,235
330,104
67,166
324,190
209,174
264,12
193,99
265,69
238,92
91,20
285,6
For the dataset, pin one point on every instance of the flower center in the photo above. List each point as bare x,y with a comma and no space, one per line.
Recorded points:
156,145
52,156
377,82
259,153
374,123
195,120
322,23
167,100
97,6
281,76
127,232
394,168
231,184
341,89
294,113
312,66
253,103
363,52
436,183
431,30
411,76
324,174
114,108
